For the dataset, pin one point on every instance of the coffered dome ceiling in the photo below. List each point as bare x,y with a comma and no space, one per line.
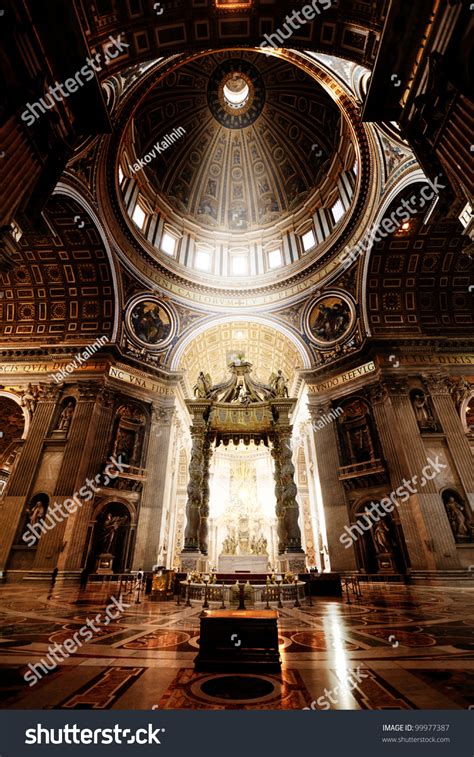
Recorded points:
240,165
234,165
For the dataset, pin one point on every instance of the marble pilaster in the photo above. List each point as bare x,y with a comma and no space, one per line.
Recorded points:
98,434
22,479
333,496
455,435
155,487
423,518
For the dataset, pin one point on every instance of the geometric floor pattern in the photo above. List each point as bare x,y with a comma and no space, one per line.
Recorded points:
397,648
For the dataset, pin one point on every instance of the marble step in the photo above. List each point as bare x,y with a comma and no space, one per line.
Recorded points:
441,576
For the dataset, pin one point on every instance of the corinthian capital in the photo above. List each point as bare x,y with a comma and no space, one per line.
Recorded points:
397,386
377,393
87,391
319,408
436,382
160,414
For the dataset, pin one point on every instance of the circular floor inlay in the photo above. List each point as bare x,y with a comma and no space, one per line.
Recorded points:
237,687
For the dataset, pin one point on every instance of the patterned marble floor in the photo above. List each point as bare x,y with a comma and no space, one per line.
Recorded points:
413,648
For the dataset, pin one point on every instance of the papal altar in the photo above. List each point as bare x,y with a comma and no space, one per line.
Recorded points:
243,563
229,592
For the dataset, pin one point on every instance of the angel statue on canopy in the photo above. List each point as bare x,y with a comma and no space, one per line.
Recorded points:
278,384
203,386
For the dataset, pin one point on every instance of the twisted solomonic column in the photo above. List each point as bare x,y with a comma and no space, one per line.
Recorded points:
206,492
288,495
281,528
193,506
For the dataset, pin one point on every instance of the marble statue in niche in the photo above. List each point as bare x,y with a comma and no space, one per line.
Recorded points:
124,444
36,512
456,511
423,411
66,417
383,540
109,531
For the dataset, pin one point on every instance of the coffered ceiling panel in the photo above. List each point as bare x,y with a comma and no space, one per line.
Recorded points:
266,348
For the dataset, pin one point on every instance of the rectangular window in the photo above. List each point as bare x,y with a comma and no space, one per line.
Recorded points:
337,211
239,265
308,240
139,216
202,261
275,259
168,244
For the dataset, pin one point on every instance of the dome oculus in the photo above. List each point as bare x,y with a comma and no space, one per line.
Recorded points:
236,93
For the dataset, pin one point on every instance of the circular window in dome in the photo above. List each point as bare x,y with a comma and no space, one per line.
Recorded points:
236,91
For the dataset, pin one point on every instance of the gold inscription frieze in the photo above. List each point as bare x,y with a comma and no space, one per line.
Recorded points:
429,359
51,367
343,378
141,382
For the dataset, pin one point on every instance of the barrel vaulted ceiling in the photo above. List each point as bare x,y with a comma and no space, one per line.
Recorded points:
61,289
266,348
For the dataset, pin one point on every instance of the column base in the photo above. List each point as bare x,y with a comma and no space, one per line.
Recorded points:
190,561
296,561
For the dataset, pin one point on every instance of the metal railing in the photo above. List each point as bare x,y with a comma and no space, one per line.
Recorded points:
350,584
362,469
232,595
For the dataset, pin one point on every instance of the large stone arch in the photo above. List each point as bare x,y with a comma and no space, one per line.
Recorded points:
266,321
